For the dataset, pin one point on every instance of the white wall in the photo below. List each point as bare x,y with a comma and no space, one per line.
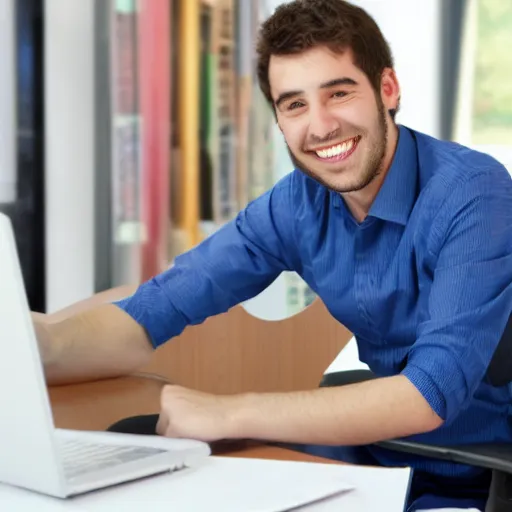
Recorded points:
69,104
502,153
7,103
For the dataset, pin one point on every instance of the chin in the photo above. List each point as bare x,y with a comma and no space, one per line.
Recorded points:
338,180
354,185
342,186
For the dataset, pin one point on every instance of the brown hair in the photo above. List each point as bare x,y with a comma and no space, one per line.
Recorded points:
300,25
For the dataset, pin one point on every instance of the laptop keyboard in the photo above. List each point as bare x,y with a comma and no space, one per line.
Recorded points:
81,457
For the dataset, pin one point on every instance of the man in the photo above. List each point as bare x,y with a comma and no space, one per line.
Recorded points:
406,239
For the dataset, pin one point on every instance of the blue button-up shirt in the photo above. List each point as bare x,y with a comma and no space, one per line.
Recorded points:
424,282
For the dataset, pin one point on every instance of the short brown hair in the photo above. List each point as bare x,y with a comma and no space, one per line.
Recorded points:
339,25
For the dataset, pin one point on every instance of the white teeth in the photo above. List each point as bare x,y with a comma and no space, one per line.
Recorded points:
336,150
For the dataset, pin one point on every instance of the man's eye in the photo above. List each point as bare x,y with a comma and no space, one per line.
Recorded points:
339,94
295,105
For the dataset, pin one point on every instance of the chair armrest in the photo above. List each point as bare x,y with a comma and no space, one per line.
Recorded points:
490,456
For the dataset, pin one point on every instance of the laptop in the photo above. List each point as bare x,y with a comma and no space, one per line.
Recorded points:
33,453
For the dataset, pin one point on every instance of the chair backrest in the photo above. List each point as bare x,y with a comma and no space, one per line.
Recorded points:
236,352
499,372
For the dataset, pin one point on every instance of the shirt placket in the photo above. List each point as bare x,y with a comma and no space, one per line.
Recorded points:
364,280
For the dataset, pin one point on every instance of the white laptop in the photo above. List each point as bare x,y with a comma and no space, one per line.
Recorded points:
33,453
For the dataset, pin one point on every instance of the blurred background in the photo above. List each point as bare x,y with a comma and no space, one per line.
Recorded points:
132,129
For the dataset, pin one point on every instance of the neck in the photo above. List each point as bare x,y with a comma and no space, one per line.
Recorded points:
360,202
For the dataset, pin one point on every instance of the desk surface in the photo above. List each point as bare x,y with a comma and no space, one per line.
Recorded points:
96,405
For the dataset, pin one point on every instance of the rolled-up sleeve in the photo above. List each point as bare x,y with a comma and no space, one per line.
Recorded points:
470,299
234,264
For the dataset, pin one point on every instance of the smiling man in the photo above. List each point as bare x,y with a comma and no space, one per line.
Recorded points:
336,125
324,141
407,240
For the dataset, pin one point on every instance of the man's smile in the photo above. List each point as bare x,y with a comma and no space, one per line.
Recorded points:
337,152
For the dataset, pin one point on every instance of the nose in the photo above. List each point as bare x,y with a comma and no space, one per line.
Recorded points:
322,124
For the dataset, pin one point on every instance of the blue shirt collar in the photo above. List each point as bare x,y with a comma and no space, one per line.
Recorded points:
398,193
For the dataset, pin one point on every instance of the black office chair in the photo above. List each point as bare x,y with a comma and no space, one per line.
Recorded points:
497,457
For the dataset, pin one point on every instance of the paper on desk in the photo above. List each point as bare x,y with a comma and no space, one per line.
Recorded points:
375,488
216,484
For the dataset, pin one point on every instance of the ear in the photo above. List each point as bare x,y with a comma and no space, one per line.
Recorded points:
390,89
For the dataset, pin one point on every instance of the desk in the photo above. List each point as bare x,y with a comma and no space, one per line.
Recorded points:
96,405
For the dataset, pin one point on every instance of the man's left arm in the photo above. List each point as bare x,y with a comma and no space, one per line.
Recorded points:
470,300
354,414
469,304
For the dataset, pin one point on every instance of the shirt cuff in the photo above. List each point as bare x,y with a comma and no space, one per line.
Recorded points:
440,380
151,308
428,388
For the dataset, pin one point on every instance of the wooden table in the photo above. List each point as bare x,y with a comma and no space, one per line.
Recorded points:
97,405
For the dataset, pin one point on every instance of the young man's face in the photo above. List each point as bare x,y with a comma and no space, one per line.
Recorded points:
334,123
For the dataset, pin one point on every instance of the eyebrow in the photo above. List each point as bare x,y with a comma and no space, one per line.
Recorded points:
326,85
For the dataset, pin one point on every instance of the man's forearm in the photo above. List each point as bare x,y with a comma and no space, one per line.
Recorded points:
355,414
98,343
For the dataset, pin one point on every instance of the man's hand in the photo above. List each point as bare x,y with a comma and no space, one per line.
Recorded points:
192,414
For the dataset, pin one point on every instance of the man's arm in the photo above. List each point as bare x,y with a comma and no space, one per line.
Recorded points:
470,300
234,264
96,343
56,332
355,414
